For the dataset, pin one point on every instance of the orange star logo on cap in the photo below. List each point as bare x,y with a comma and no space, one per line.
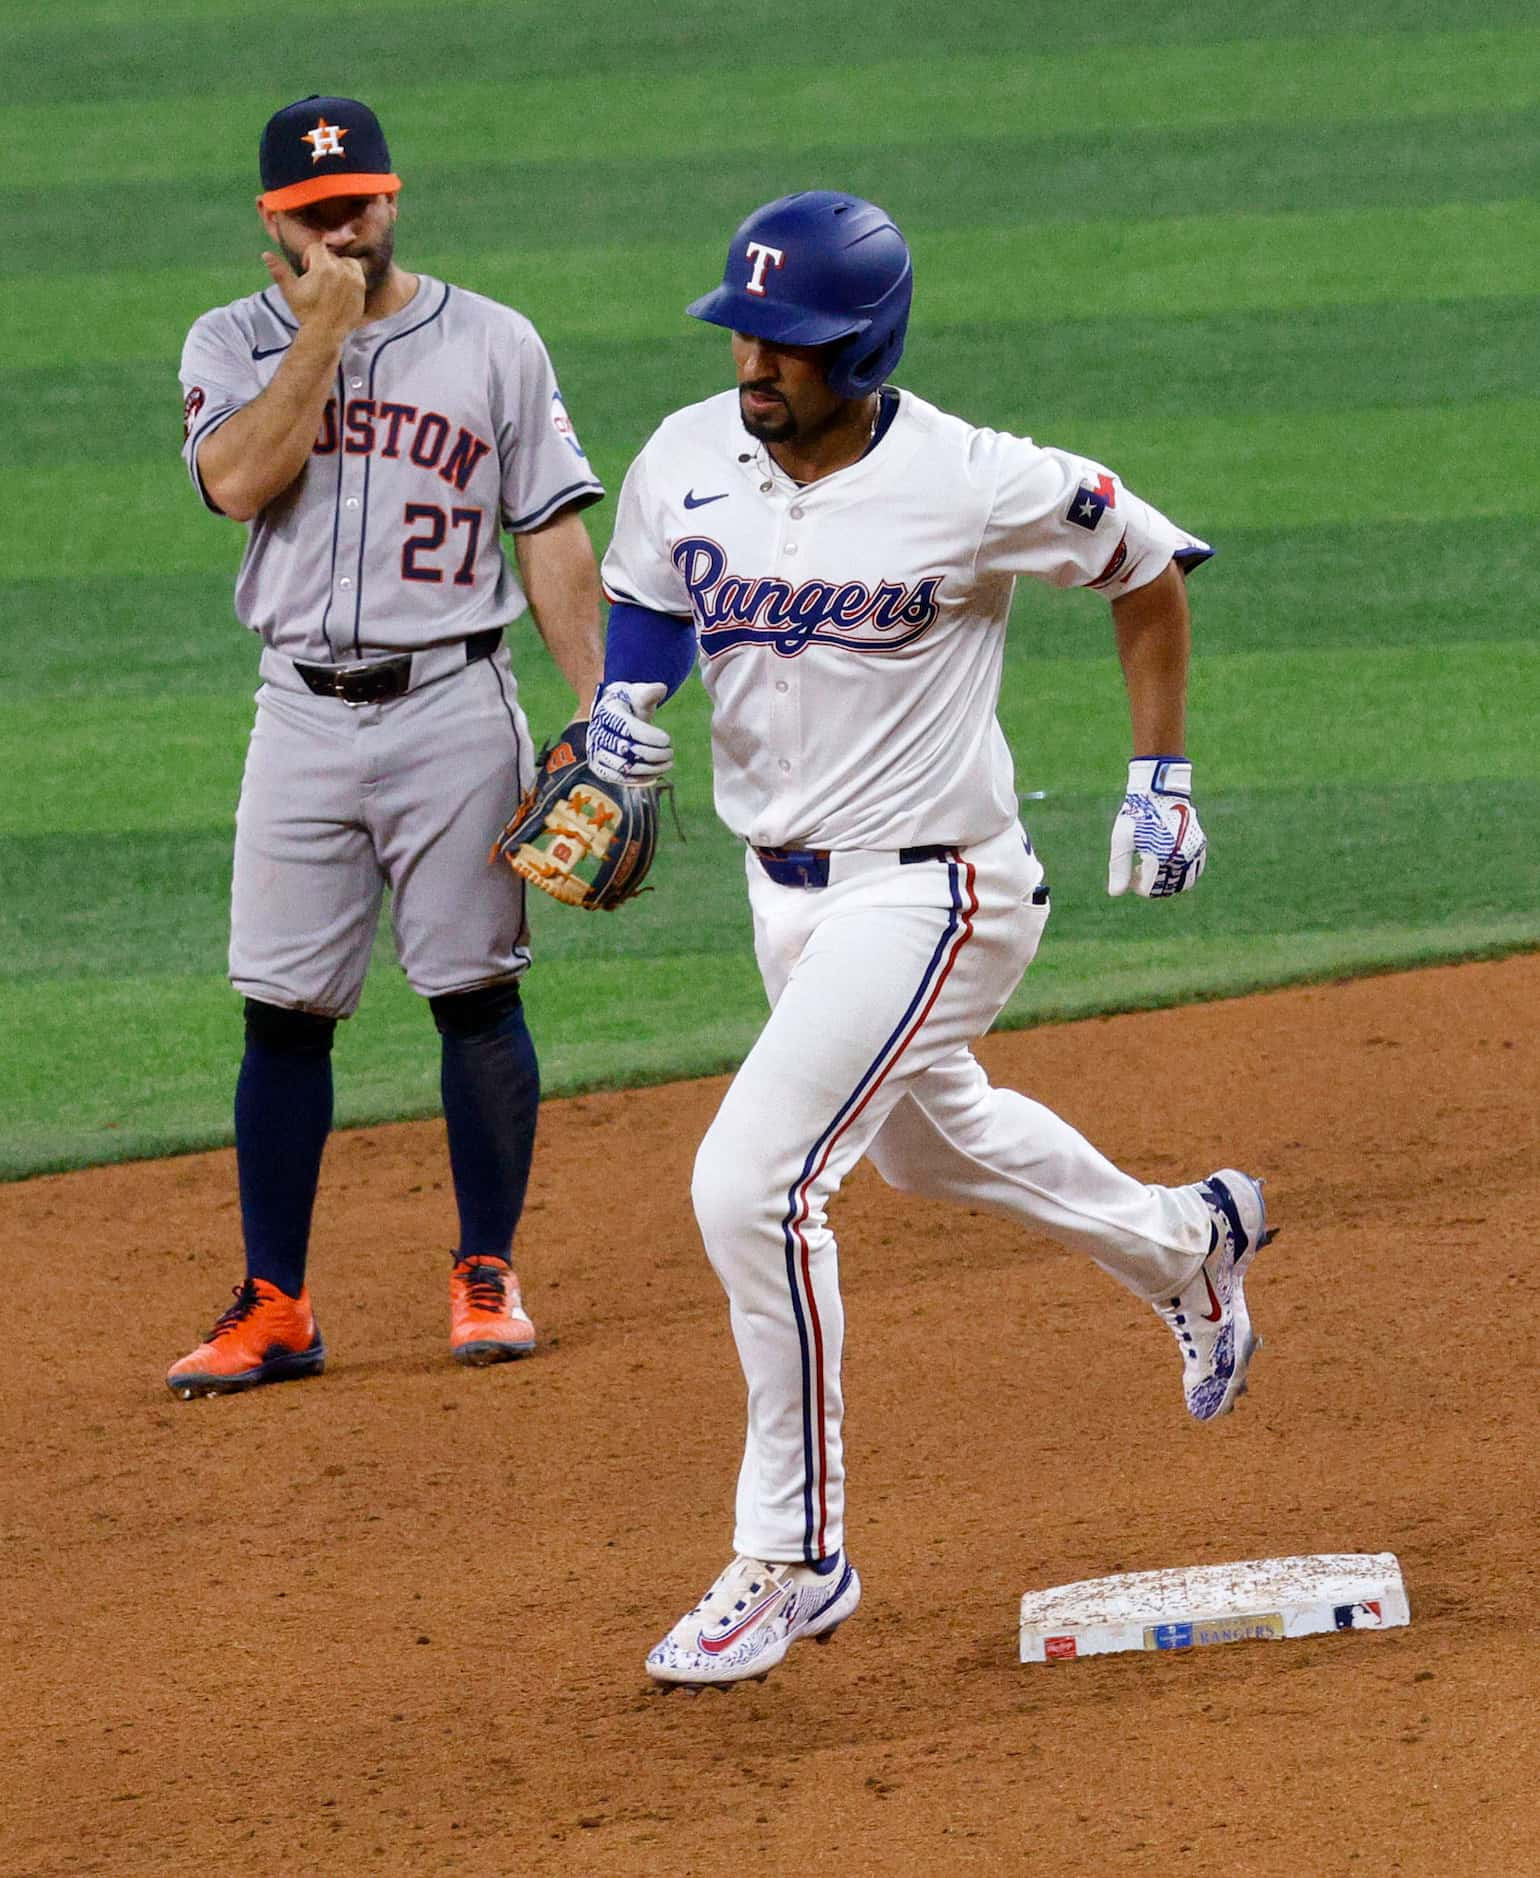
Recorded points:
325,140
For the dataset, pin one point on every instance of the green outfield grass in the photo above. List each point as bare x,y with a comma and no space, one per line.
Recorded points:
1280,273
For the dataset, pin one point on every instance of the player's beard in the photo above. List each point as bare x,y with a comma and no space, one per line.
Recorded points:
778,427
375,261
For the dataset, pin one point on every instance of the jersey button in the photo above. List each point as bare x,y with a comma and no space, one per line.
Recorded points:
344,582
357,384
796,514
780,684
765,488
352,502
790,548
785,767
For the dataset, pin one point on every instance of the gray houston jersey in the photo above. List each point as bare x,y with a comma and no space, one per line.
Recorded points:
446,422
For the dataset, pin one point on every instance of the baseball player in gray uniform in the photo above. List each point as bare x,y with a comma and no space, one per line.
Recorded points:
376,430
840,557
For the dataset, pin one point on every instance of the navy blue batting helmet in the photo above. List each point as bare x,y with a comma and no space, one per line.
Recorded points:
814,268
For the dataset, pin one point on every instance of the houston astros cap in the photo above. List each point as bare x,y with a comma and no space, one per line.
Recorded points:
323,147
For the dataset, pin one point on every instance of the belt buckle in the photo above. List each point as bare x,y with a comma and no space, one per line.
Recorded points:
379,675
796,867
340,677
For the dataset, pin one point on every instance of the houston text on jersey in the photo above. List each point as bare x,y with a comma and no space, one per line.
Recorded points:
375,427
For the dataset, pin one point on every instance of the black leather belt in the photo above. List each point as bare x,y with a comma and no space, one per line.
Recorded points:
377,681
809,867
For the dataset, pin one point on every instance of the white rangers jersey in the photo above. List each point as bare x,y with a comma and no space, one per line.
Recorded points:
446,425
851,630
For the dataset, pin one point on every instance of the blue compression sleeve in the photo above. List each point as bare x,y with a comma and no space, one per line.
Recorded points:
643,646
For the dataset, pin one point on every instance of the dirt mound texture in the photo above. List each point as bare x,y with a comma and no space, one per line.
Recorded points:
393,1619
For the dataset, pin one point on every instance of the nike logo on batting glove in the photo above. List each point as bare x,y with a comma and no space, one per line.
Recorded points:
1158,847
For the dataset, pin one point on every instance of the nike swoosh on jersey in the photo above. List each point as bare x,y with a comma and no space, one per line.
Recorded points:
693,501
266,352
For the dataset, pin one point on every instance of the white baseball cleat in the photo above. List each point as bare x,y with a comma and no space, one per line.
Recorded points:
750,1618
1208,1317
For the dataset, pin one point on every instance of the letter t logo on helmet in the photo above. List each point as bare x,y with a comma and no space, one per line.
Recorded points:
761,256
844,280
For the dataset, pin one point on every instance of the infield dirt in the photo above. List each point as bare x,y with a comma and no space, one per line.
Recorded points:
392,1620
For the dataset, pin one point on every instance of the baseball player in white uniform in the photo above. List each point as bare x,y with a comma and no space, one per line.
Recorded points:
840,557
376,430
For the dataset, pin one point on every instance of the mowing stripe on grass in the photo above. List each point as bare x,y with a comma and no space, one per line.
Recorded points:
154,763
1283,282
1183,265
1354,717
1349,257
1032,377
156,1100
1038,377
166,1083
1367,846
928,186
1444,712
1096,980
1441,465
998,94
1353,586
1361,585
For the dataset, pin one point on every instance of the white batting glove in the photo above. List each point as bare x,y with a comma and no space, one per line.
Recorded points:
1158,848
624,745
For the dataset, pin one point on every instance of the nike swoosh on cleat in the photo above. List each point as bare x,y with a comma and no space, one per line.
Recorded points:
837,1593
714,1646
1217,1312
693,501
266,352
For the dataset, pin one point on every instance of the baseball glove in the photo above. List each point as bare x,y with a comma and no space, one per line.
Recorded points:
585,842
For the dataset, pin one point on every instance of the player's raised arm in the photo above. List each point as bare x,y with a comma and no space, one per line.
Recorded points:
257,454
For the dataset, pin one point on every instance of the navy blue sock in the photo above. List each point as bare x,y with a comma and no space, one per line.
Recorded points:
490,1080
283,1114
823,1566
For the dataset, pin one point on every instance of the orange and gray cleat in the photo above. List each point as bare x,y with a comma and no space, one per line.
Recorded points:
487,1320
265,1336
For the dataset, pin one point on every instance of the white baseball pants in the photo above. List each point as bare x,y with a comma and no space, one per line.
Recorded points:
878,984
